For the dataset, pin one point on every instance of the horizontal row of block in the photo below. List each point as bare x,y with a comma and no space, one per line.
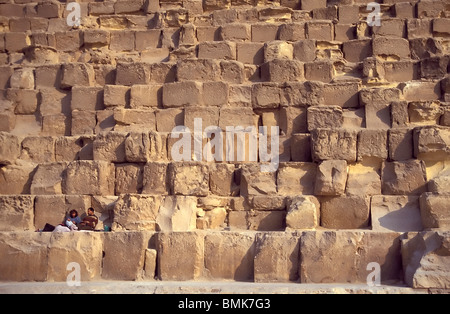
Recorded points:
141,212
260,10
306,257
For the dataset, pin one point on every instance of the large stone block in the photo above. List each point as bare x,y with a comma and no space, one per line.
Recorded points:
9,148
129,74
372,144
343,256
77,74
89,178
335,144
280,267
404,177
363,180
396,213
17,213
426,259
128,179
222,180
84,248
331,178
325,117
48,179
345,212
144,147
16,178
155,179
180,256
434,210
230,256
296,178
110,146
134,212
177,213
180,94
24,256
303,213
124,255
189,178
432,143
256,182
38,149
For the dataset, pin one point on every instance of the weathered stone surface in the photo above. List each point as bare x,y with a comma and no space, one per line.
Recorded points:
426,259
48,179
432,143
280,267
180,255
343,256
303,213
75,247
220,264
177,213
345,212
110,146
336,144
434,210
222,180
17,213
124,255
90,178
9,148
24,256
134,212
143,147
16,178
396,213
189,178
404,177
296,178
363,180
331,178
256,182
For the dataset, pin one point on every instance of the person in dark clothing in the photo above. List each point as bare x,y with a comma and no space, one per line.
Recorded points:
90,221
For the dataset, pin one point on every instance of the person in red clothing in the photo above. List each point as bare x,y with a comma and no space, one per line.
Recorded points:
90,221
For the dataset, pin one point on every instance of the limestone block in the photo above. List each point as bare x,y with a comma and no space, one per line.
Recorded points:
262,33
404,177
145,96
434,210
87,98
400,144
77,74
217,50
337,144
279,70
325,117
24,100
124,255
17,213
432,143
25,256
189,178
296,178
150,264
301,147
303,213
89,178
84,248
357,50
83,122
345,212
268,203
280,267
22,79
110,147
222,180
426,259
16,178
266,95
136,73
177,213
236,32
9,148
322,71
425,112
256,182
181,94
128,179
155,179
331,178
363,180
220,264
391,47
439,182
372,144
343,256
167,119
302,94
421,91
48,178
345,95
180,255
116,96
320,30
250,53
134,212
396,213
215,94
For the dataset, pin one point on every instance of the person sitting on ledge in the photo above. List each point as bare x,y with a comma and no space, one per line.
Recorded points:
90,221
73,220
